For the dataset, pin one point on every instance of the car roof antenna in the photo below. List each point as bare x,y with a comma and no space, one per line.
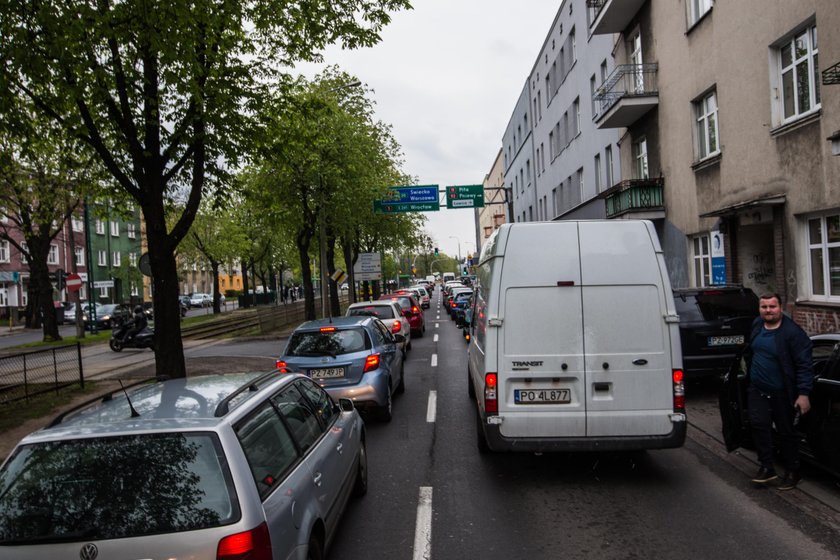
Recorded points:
134,413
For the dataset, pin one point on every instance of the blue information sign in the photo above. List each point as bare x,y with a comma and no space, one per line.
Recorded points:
422,198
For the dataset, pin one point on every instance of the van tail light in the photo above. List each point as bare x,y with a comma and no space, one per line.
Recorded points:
679,391
250,545
371,362
396,326
491,402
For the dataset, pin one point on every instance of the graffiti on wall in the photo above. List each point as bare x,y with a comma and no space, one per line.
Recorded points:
819,322
760,273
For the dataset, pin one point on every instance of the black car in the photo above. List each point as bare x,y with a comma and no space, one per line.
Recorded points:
819,430
110,315
714,324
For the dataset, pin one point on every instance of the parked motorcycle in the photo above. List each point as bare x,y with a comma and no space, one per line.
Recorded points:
143,339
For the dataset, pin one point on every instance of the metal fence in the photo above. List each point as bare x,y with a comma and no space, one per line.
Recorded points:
28,374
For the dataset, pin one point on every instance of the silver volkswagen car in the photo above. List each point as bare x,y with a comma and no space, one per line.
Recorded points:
256,466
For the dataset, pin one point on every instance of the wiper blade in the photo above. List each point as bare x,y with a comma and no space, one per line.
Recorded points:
316,354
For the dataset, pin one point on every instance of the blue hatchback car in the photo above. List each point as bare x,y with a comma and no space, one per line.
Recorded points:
354,357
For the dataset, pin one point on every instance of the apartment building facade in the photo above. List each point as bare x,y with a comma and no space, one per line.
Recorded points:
730,131
496,209
562,162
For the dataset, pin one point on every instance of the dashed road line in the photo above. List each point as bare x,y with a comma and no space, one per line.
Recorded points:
434,360
431,407
423,526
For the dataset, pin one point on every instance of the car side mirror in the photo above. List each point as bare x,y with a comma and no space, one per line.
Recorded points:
346,405
399,338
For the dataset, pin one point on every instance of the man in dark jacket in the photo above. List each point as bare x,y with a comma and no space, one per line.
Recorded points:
781,375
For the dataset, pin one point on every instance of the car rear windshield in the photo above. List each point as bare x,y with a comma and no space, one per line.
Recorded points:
714,305
404,302
115,487
327,343
381,311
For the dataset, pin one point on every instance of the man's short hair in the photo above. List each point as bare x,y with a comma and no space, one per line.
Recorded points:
771,295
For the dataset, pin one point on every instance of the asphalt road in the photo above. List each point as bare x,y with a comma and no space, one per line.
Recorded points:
432,495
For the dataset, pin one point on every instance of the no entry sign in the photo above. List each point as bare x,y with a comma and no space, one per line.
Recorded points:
73,282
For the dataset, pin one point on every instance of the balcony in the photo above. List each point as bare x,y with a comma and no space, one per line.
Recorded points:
612,16
643,198
627,95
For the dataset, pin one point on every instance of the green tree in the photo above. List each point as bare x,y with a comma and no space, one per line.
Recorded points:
162,92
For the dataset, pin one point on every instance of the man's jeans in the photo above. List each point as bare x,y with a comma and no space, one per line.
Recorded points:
768,409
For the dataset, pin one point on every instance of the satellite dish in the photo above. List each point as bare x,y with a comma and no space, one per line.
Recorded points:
145,264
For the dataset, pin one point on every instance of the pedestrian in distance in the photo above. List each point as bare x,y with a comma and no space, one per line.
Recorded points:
781,375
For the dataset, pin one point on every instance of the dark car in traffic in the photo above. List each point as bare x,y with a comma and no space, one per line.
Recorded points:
714,324
109,316
411,310
819,430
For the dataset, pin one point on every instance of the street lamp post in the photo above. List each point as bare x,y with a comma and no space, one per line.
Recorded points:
455,237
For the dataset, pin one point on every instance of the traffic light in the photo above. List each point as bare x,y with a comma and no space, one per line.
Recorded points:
60,277
436,251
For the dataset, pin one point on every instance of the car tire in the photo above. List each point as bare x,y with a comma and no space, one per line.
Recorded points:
480,438
470,386
315,550
386,412
360,487
418,333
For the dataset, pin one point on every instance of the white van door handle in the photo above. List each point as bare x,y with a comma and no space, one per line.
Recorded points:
640,362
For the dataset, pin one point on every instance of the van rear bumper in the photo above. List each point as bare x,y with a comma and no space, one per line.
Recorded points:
497,442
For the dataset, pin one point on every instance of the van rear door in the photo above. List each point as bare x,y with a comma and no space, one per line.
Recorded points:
626,339
542,389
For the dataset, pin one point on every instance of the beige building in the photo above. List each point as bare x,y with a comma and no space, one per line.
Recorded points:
729,119
495,209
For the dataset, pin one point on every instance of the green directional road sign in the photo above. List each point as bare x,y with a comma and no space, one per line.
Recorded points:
382,207
465,196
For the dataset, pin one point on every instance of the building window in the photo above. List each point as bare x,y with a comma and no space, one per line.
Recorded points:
542,157
706,112
77,224
132,259
131,230
592,87
116,261
608,167
539,103
701,260
4,296
580,182
100,227
799,74
103,258
80,255
4,251
640,158
103,293
528,170
537,167
824,257
134,291
52,256
115,229
598,173
697,9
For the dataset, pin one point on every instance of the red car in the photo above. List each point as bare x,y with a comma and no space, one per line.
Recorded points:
411,309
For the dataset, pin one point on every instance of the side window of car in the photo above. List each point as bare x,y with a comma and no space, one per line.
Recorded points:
320,400
386,334
299,416
378,338
268,446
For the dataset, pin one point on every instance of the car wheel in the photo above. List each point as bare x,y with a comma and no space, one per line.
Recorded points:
470,386
386,412
401,387
480,438
361,486
315,550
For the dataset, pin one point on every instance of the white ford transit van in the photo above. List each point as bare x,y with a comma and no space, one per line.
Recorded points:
575,339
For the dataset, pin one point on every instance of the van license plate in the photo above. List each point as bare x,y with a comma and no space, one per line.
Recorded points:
542,396
326,372
733,340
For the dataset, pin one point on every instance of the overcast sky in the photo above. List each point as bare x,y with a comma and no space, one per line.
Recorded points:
446,76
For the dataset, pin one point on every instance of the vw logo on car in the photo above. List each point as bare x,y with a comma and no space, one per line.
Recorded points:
88,552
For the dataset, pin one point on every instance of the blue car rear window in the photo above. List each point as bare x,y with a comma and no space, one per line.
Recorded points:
330,343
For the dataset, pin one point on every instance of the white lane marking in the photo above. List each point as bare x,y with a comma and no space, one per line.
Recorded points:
434,360
435,339
437,325
431,407
423,528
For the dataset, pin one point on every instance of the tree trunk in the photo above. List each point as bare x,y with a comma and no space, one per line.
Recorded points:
214,267
169,348
245,300
347,249
306,273
332,285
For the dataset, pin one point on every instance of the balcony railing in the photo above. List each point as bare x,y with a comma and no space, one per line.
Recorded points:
635,195
831,75
629,92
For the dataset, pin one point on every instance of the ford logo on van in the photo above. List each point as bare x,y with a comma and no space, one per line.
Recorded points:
527,364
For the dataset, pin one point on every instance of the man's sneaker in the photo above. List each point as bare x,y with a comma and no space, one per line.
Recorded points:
790,480
764,476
